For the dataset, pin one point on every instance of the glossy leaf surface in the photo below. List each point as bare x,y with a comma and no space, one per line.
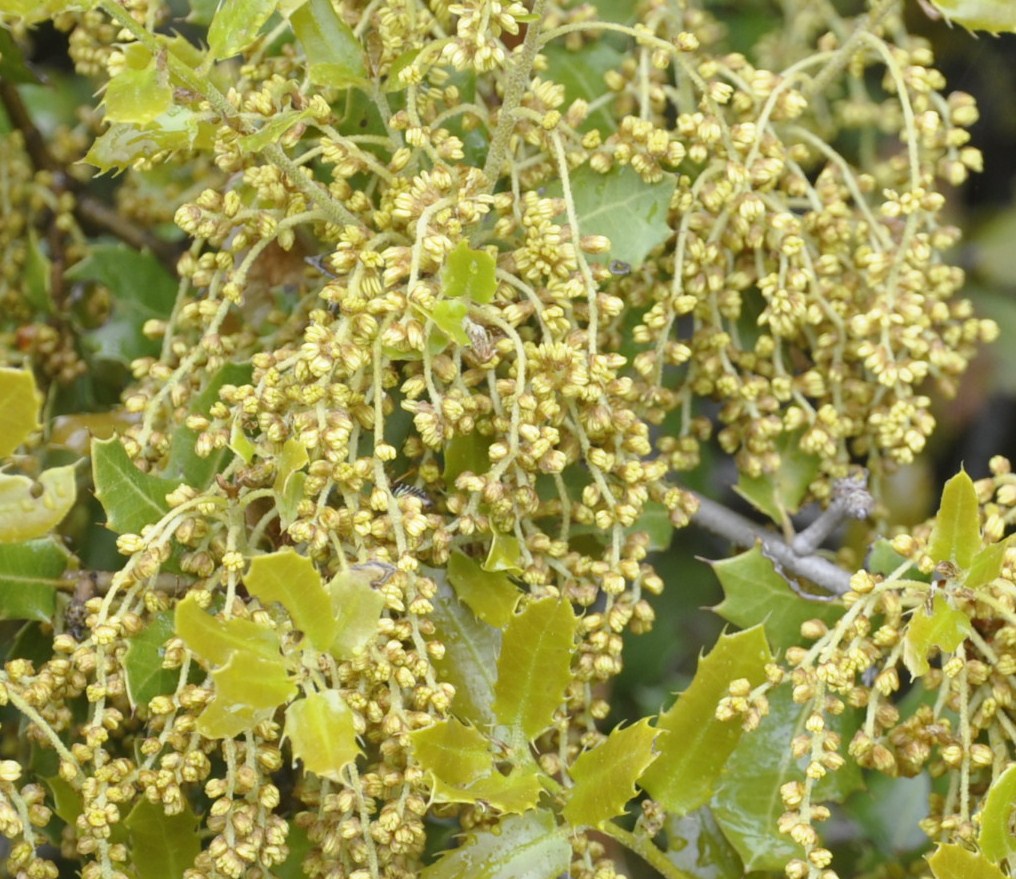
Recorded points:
605,776
994,16
215,640
31,508
28,578
529,846
696,845
505,555
224,720
957,862
754,593
236,25
321,733
534,667
254,681
138,96
334,55
469,273
131,499
511,794
162,846
448,315
944,628
996,839
956,535
696,745
146,678
493,597
293,581
356,608
20,402
452,751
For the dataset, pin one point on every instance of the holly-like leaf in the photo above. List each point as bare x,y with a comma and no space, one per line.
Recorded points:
512,794
957,862
146,678
29,575
987,563
162,846
994,16
696,845
944,628
780,493
469,273
131,499
321,732
747,803
697,745
121,145
273,129
529,846
505,555
996,839
248,689
492,597
356,608
20,402
605,776
140,290
334,54
534,667
215,640
622,206
456,753
754,593
293,581
222,720
236,25
449,315
138,96
956,535
31,508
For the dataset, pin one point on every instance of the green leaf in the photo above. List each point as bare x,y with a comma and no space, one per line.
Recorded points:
987,563
292,458
511,794
622,206
883,560
534,668
944,628
448,315
957,862
13,68
223,720
469,273
146,678
780,493
236,25
138,97
505,555
20,401
747,803
696,845
956,535
605,776
996,839
29,573
697,745
754,593
215,640
994,16
162,846
273,129
254,681
31,508
33,11
131,499
121,145
529,846
140,290
581,73
452,751
465,453
655,522
492,597
334,55
300,847
293,581
356,607
322,734
395,82
38,270
889,811
470,658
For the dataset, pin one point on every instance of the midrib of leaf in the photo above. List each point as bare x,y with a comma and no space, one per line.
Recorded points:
632,199
474,652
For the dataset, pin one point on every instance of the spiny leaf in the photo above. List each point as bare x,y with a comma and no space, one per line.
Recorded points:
987,563
236,25
29,574
131,499
216,640
697,745
356,608
469,273
505,555
31,508
996,839
512,794
293,581
162,846
321,731
956,535
452,751
334,54
944,628
534,667
492,597
138,96
994,16
605,776
254,681
20,402
957,862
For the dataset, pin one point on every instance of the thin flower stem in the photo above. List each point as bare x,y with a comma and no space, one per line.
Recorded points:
644,848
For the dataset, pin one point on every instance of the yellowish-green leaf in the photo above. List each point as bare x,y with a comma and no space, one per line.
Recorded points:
224,720
944,628
692,755
511,794
131,499
356,607
20,402
605,776
449,315
29,576
996,838
505,555
31,508
987,564
236,25
293,581
254,681
321,732
492,597
273,129
455,753
162,846
994,16
530,846
534,667
216,640
956,535
334,54
239,443
469,273
293,457
137,97
395,82
957,862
